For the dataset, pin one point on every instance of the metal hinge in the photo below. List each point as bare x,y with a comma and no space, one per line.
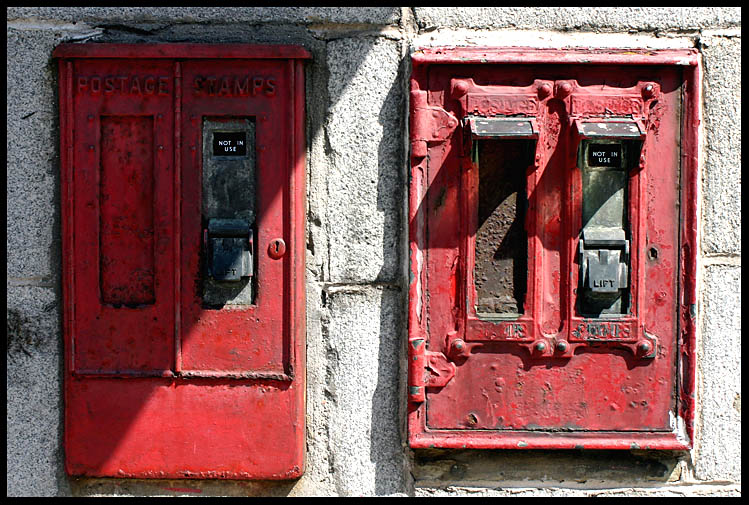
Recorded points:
426,369
429,123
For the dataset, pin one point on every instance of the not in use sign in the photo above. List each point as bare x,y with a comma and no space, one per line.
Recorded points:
230,143
605,155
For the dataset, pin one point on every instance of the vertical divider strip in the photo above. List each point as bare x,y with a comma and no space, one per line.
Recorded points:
299,300
69,215
177,236
293,246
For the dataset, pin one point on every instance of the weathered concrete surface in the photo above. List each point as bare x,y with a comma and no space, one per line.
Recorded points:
574,18
33,145
306,15
317,478
34,405
548,39
442,468
181,487
675,491
721,211
719,435
363,134
363,329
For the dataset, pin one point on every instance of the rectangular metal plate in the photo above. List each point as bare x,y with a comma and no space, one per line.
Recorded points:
609,129
229,185
501,127
126,220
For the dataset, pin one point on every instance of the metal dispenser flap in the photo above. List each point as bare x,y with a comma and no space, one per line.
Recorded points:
618,128
503,127
604,237
229,242
228,227
603,270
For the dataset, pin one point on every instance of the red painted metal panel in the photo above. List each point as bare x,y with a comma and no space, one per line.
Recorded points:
551,377
252,338
122,186
126,235
156,385
166,428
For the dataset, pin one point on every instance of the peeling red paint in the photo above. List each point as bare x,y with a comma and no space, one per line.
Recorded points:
564,363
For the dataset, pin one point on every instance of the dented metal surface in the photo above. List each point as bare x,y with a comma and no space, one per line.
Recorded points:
175,155
540,372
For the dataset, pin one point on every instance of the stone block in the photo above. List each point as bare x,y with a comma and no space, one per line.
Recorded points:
169,15
33,154
364,329
34,393
182,487
721,186
574,18
719,434
675,491
364,134
440,468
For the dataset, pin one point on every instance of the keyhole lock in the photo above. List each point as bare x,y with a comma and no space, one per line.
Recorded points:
276,248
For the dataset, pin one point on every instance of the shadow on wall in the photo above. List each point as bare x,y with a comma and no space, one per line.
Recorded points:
387,415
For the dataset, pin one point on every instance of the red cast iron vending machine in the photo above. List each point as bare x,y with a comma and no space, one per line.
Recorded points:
553,198
183,228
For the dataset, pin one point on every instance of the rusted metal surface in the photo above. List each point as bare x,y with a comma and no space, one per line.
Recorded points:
156,384
500,270
550,377
126,219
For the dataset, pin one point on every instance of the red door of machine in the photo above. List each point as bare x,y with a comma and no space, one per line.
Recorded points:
552,249
183,239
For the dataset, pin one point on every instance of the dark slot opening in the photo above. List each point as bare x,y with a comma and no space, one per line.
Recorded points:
501,254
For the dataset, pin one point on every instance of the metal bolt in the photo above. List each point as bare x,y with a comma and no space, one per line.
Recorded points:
648,91
564,89
540,346
544,90
460,88
562,346
644,347
458,348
